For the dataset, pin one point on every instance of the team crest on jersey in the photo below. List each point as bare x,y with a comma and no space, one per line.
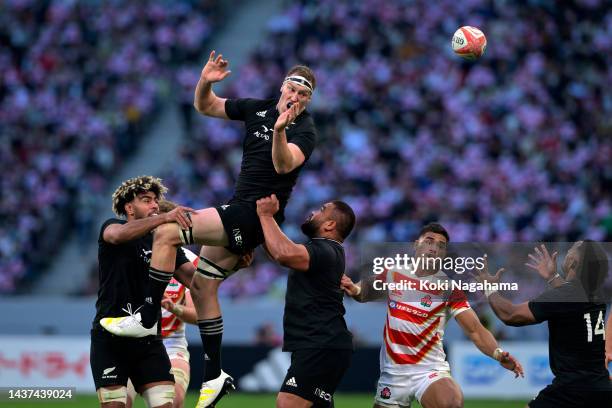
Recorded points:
385,393
262,114
426,301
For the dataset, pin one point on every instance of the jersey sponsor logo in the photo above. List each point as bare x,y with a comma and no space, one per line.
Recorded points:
262,114
263,133
237,236
385,393
322,394
432,375
149,300
426,301
224,207
291,382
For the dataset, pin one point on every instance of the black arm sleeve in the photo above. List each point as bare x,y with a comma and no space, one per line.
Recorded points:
305,140
556,302
237,109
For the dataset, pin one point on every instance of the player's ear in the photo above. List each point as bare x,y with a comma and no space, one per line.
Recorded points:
129,208
329,225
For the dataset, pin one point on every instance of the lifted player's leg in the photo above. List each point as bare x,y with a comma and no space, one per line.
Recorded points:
207,229
215,264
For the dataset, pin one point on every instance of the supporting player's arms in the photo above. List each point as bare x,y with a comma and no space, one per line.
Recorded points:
279,246
286,157
119,233
205,101
362,291
486,343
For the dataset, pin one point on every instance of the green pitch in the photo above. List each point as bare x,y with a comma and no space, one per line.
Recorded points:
241,400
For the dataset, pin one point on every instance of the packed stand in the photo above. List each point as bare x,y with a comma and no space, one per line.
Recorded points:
513,147
80,81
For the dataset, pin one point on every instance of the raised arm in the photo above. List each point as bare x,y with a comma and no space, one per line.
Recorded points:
279,246
286,157
205,100
120,233
486,343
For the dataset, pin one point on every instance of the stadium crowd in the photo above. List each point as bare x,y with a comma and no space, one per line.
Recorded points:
513,147
80,81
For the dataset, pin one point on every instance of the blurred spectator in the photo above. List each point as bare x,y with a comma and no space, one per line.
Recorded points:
80,81
266,335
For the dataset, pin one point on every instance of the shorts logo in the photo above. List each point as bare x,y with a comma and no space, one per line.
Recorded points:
291,382
237,236
322,394
432,375
385,393
107,371
392,305
426,301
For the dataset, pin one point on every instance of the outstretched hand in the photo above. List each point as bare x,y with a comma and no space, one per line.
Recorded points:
543,262
267,206
482,275
288,116
215,69
510,363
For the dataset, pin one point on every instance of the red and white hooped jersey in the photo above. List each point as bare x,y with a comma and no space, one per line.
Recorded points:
172,326
415,324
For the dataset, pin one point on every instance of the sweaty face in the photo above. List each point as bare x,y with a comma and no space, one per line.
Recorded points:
144,205
292,93
313,223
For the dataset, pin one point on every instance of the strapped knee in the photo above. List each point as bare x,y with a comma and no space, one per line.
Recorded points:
211,270
112,395
158,395
180,377
186,234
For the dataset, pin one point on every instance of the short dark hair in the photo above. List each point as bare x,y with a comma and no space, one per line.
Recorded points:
435,228
592,267
345,218
303,70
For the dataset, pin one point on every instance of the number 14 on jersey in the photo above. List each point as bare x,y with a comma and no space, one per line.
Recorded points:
599,326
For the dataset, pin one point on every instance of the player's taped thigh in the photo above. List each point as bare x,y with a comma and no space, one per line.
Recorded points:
210,270
106,395
186,234
181,377
158,395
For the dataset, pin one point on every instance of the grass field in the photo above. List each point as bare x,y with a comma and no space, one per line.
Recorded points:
240,400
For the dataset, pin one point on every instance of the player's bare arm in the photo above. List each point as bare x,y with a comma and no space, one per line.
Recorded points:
486,343
362,291
505,310
205,100
279,246
286,157
120,233
186,312
546,266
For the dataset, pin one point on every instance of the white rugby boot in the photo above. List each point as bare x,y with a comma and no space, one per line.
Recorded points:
128,326
213,390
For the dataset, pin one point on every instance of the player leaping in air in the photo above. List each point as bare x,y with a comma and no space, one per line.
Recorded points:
280,137
412,361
